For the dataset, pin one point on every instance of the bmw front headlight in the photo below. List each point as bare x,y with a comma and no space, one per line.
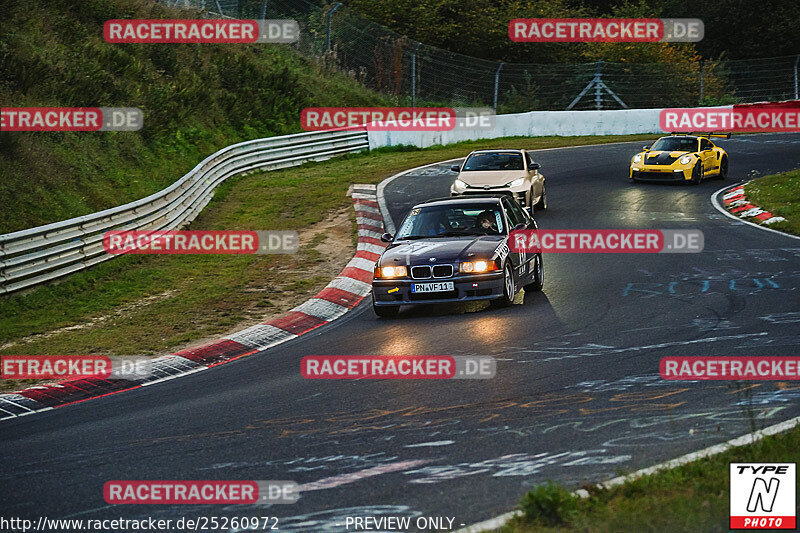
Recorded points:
637,158
460,184
476,267
516,183
685,160
393,271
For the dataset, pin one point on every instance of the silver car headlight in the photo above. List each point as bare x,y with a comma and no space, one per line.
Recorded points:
460,184
637,158
685,160
516,183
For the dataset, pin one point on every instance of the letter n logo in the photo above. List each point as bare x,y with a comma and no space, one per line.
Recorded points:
763,495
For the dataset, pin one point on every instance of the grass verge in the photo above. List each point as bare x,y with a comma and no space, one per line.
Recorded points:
195,99
780,195
692,497
149,304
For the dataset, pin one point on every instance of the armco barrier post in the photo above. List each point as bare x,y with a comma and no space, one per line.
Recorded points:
496,85
414,74
796,61
328,26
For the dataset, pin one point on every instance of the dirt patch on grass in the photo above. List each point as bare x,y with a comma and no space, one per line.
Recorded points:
276,287
122,312
325,249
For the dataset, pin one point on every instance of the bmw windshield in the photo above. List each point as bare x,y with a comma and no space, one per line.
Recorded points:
452,221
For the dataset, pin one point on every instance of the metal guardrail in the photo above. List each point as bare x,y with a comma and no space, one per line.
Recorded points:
38,255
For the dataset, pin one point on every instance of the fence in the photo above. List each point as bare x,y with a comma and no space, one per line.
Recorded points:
415,73
38,255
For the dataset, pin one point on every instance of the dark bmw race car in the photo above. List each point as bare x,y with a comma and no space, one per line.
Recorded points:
454,250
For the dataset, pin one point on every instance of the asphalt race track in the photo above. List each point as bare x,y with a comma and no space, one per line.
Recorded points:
577,396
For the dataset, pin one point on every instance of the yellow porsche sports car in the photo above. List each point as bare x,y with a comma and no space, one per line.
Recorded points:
680,157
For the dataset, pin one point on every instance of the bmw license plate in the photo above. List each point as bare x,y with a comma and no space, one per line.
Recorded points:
443,286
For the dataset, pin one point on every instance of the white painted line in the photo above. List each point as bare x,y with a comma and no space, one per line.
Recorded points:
707,452
721,209
435,443
14,398
43,409
749,438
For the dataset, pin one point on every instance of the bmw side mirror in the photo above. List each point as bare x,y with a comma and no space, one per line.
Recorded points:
387,237
646,147
535,166
455,168
520,226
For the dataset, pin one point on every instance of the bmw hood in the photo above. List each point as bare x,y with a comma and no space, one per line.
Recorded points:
444,250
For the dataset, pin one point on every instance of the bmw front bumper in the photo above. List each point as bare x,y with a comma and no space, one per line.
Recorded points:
465,288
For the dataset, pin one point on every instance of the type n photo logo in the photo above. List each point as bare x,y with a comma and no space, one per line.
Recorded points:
763,496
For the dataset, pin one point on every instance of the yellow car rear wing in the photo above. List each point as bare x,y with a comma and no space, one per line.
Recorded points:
697,134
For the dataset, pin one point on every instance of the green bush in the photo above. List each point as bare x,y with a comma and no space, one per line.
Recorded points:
549,505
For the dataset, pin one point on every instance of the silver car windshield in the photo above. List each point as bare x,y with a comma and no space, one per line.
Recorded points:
494,161
452,221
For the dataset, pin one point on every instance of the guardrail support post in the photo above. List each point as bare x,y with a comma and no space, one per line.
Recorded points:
414,74
264,10
328,27
496,85
598,93
796,61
